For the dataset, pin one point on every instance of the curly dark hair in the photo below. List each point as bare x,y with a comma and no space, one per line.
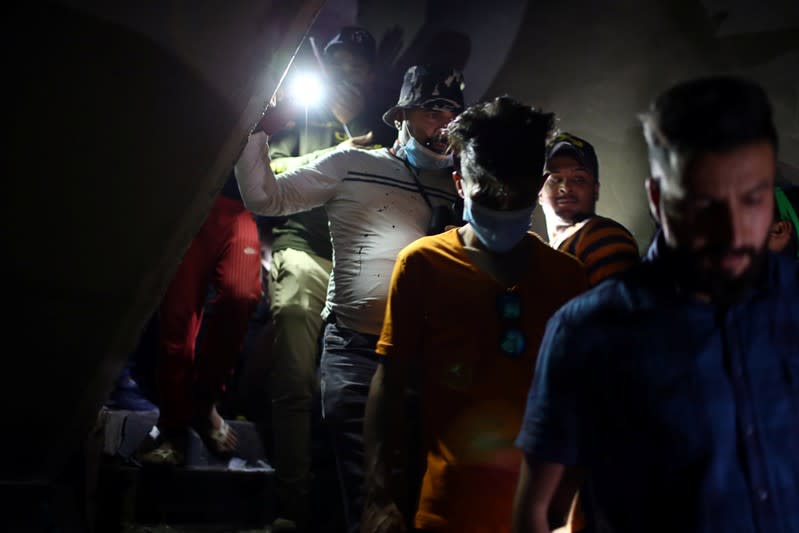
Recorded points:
501,145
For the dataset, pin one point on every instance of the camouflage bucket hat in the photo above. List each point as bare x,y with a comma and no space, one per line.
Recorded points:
427,87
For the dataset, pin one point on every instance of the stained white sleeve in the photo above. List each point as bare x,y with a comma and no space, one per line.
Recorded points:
299,190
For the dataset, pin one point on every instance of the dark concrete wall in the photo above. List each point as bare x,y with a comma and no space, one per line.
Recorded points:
124,123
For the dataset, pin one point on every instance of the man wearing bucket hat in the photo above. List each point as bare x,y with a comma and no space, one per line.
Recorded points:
377,201
568,199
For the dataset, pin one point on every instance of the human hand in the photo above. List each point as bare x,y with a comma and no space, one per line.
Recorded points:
382,518
274,119
361,141
389,48
347,101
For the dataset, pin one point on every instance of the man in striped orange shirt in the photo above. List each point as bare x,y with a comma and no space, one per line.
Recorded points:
568,198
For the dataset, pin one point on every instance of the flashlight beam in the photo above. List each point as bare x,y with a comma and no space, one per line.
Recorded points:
318,56
294,55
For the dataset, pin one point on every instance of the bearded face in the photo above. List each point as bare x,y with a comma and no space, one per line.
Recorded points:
716,217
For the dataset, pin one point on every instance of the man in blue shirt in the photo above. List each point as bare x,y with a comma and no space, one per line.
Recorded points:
671,395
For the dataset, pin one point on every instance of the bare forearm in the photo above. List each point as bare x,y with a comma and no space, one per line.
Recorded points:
538,495
384,408
532,522
529,517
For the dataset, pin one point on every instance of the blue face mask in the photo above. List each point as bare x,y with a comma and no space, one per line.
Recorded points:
422,157
419,156
499,231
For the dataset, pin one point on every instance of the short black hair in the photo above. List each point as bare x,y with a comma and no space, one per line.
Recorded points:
710,114
502,141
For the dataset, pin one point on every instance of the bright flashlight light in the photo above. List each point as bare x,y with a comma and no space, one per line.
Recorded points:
306,89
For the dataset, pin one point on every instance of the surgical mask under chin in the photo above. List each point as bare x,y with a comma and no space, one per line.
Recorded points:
499,231
417,155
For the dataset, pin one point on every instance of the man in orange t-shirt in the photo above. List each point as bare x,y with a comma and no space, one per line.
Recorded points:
466,313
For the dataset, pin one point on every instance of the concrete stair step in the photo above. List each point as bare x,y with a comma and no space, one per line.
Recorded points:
184,496
126,431
207,490
249,448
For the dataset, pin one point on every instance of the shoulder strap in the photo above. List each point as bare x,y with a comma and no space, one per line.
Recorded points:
419,185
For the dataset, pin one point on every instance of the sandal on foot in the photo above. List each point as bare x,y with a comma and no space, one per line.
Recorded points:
221,438
220,435
165,454
218,440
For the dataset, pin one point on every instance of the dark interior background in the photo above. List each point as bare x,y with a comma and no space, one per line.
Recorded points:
124,119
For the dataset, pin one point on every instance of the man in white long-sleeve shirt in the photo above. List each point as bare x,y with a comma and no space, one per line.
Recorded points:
377,201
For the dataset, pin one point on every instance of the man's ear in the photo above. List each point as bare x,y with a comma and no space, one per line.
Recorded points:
779,235
596,191
458,179
653,196
781,227
399,117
